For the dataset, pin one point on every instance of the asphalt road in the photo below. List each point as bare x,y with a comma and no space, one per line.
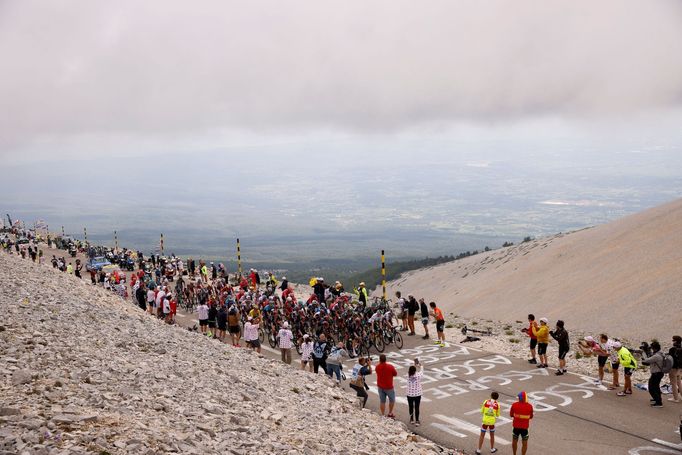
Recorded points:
572,413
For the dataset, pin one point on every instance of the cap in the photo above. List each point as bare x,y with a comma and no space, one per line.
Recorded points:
306,336
285,325
617,345
590,339
362,283
545,320
523,397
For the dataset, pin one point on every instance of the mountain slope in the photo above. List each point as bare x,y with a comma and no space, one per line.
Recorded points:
624,278
82,371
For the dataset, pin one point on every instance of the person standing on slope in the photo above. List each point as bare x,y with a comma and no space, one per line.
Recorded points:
656,361
202,314
425,318
402,304
533,338
542,334
676,372
412,308
437,314
521,413
284,336
627,360
361,292
561,336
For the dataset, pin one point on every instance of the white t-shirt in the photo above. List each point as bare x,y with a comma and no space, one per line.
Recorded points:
150,296
166,306
202,312
250,331
159,298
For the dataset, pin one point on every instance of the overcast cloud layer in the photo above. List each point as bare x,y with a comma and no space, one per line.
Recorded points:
84,67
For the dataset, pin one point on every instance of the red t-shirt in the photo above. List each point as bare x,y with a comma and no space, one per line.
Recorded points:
530,331
521,413
385,373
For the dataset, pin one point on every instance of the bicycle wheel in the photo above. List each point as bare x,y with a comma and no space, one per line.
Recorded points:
398,340
299,348
261,335
272,340
349,349
379,342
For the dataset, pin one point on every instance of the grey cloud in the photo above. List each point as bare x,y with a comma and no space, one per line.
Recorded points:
168,66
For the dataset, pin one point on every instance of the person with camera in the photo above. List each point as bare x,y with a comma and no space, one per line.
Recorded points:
533,339
357,382
561,336
414,391
653,357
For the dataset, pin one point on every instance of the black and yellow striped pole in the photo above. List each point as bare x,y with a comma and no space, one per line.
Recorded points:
239,258
161,244
383,274
115,242
85,235
62,231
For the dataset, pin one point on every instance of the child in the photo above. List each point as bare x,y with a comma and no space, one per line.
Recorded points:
521,412
490,411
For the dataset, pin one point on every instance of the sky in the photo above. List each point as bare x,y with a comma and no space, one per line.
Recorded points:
321,90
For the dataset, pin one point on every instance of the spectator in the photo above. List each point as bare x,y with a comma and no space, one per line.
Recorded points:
561,336
676,372
533,339
491,411
358,382
385,374
627,360
334,360
306,353
542,334
414,391
656,361
521,413
285,336
425,318
320,352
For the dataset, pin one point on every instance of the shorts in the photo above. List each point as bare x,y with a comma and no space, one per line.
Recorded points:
523,432
614,366
628,371
486,427
563,350
533,343
255,343
211,324
222,327
601,360
203,322
425,321
542,348
234,329
440,325
386,393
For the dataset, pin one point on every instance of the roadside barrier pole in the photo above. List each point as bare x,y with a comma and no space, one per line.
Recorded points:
161,244
239,258
383,273
115,242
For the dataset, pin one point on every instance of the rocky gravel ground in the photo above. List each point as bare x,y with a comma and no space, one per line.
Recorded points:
83,371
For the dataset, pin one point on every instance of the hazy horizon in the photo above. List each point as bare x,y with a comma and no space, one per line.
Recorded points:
320,130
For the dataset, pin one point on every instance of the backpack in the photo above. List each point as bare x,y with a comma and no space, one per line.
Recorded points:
668,363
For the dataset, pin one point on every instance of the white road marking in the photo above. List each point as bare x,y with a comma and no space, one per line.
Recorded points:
457,424
668,444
